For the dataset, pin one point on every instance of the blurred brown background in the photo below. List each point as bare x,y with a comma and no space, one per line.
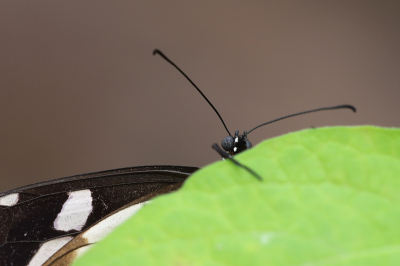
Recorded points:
81,92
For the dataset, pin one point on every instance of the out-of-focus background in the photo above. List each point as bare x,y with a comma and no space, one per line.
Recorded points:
81,92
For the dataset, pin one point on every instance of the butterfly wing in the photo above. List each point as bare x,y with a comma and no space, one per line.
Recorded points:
43,217
77,246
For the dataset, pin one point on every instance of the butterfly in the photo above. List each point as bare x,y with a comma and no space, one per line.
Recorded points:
52,222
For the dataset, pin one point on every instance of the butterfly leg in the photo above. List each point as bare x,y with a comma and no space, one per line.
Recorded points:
229,157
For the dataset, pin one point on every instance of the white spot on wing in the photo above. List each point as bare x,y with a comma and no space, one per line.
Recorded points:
47,249
236,139
235,149
103,228
9,200
75,211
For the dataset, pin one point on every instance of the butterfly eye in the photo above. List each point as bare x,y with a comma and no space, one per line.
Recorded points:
248,145
228,143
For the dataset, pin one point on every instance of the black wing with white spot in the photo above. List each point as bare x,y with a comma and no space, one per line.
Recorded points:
82,242
36,220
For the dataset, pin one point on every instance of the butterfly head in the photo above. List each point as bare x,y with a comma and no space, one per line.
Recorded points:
236,144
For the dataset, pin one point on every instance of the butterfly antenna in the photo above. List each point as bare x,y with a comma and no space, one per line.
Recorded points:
229,157
156,51
344,106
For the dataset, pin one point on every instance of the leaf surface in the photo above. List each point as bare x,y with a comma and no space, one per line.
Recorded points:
330,196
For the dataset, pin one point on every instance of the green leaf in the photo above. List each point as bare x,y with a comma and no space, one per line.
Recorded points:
330,196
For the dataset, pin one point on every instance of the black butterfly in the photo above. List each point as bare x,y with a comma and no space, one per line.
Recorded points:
41,222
